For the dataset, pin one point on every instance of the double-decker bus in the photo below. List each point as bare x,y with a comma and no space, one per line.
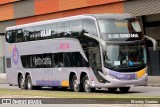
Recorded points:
81,52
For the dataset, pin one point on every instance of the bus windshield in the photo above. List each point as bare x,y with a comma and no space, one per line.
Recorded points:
120,29
125,56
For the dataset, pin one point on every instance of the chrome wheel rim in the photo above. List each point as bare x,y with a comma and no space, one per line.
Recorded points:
75,86
21,83
29,84
86,86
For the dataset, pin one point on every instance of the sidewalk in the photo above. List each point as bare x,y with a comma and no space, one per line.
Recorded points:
152,80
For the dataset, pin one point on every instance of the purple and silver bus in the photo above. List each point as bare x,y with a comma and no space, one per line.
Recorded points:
82,53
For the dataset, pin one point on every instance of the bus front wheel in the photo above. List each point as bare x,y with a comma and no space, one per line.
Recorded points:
124,89
29,83
86,85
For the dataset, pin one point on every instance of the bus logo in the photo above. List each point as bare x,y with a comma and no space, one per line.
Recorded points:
129,77
64,46
15,55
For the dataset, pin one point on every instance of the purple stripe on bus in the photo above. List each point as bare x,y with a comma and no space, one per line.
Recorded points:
130,76
123,76
40,82
48,83
56,83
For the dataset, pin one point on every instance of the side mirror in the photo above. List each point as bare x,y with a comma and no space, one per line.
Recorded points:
153,41
101,41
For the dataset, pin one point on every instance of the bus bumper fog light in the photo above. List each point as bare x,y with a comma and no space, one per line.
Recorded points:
93,83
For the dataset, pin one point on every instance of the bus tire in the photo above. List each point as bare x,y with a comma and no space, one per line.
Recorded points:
29,85
112,90
21,82
86,85
75,85
124,89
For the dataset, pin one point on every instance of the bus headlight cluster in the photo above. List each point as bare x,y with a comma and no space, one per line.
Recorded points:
110,76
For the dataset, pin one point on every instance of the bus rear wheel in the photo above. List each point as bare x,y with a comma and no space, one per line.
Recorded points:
75,85
112,90
29,83
86,85
124,89
21,82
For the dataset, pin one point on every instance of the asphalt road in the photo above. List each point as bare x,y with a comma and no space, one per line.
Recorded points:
139,91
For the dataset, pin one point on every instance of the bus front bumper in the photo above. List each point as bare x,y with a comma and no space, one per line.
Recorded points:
120,83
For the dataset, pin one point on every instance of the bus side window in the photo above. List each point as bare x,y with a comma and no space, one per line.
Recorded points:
55,60
67,59
8,36
29,33
8,61
94,54
57,30
79,61
25,35
14,38
26,61
20,37
11,36
53,28
64,29
76,28
31,63
71,57
60,60
47,60
89,26
38,32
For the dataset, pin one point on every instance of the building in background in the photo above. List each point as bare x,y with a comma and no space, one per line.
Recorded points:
16,12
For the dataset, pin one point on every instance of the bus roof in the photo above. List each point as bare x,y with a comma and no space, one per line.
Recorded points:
111,16
92,16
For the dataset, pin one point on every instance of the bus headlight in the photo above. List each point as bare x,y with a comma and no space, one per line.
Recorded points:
110,76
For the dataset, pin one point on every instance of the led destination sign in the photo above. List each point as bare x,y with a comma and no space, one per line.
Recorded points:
121,36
